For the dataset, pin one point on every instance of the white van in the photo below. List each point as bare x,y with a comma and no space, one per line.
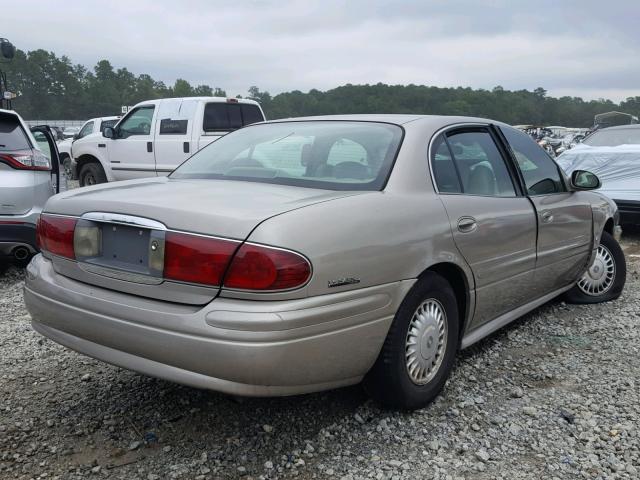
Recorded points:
156,136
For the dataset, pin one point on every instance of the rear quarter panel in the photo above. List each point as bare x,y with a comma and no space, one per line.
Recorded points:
378,238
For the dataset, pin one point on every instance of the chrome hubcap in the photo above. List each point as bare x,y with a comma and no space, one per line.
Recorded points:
599,278
426,341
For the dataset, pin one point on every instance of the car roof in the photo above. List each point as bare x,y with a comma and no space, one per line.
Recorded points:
435,121
619,127
158,101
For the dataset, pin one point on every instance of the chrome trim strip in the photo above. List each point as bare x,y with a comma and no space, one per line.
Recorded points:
123,219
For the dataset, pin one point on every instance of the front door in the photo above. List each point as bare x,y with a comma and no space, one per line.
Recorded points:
131,151
493,224
47,144
565,223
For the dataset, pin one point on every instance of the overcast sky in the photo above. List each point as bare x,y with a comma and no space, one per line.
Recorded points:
589,49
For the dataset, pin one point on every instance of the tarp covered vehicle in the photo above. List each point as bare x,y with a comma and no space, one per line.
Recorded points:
613,154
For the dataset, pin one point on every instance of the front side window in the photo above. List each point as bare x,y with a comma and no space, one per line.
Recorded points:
229,116
138,122
481,168
332,155
540,173
86,130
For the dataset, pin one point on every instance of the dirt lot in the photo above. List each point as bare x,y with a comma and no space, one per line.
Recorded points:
554,395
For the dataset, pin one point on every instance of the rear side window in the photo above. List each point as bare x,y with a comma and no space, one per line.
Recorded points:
107,123
12,136
230,116
480,165
541,174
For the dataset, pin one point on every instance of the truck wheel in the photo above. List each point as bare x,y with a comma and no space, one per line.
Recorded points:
419,351
91,174
66,162
605,278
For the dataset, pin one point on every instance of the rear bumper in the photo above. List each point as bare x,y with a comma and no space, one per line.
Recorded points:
233,346
15,234
629,211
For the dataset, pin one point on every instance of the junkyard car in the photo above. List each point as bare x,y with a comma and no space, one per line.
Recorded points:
29,175
300,255
614,155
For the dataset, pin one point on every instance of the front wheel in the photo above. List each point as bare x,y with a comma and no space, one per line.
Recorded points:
420,348
91,174
605,278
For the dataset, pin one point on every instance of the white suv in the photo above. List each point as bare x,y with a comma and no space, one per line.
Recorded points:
156,136
29,175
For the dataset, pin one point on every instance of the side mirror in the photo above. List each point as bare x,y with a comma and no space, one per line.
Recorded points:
76,136
108,132
584,180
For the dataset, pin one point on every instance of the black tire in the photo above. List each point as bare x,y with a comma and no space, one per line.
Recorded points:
389,382
91,174
66,163
579,294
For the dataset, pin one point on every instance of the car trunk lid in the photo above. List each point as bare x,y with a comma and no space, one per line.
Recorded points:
132,218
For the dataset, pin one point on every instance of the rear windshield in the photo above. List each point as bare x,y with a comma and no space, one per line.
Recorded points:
230,116
333,155
12,136
614,138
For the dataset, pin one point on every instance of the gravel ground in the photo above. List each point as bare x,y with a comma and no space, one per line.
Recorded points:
554,395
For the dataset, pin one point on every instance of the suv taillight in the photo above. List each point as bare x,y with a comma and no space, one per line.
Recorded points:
54,234
204,260
26,160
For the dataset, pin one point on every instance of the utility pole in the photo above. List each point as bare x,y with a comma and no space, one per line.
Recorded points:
7,52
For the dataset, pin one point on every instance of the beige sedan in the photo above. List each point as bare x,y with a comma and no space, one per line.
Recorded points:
301,255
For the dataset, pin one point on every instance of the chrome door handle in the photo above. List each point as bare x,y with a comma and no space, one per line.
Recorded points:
467,224
547,217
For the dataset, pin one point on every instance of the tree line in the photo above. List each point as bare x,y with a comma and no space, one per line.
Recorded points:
52,87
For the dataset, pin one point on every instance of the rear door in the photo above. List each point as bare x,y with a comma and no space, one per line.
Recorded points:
131,152
173,133
564,218
493,223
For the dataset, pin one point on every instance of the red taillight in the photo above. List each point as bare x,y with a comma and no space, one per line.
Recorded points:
196,259
26,160
55,235
257,267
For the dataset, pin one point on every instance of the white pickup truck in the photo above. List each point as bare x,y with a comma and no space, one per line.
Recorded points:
156,136
91,131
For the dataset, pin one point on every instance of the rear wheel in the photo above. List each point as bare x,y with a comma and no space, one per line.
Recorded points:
419,351
91,174
605,278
